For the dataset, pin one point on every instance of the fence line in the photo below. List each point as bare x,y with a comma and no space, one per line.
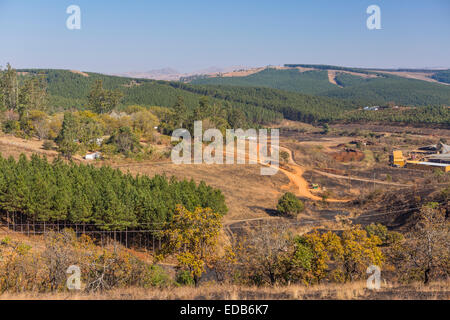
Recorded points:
151,238
136,238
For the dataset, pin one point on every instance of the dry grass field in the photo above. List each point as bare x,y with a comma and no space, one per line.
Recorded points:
247,192
347,291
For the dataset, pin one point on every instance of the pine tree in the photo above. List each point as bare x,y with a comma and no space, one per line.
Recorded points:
10,88
67,138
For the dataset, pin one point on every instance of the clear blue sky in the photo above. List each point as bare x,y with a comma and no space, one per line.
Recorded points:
118,36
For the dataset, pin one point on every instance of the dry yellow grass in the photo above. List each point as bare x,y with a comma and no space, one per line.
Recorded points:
348,291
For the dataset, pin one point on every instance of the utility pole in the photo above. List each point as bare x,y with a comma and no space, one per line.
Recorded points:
374,181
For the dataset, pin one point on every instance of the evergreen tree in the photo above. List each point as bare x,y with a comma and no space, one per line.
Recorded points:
84,194
181,113
67,138
290,205
10,88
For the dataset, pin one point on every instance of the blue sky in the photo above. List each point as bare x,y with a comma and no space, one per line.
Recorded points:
119,36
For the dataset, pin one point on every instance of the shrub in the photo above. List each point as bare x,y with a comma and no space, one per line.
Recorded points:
6,240
290,205
387,237
284,156
48,145
10,126
125,141
184,278
157,277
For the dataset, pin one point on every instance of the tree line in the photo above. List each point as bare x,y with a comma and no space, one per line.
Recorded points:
442,76
421,115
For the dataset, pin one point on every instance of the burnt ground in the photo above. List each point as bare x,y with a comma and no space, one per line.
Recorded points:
398,209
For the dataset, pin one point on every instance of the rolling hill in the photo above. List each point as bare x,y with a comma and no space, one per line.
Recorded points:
69,90
360,86
264,97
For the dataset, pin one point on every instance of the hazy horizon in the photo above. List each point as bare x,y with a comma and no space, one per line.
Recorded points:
117,37
203,70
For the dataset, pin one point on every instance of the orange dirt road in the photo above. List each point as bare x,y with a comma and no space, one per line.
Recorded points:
296,177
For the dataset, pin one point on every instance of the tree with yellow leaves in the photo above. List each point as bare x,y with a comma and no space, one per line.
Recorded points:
192,237
311,257
353,252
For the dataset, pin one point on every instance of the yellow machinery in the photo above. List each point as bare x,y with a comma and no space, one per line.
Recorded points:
397,159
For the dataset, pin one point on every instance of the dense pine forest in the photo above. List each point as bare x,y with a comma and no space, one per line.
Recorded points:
422,115
293,106
379,89
308,82
83,194
69,91
442,76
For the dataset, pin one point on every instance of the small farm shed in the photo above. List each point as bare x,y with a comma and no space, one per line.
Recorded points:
93,156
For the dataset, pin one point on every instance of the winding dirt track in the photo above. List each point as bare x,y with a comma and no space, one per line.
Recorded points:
297,179
295,176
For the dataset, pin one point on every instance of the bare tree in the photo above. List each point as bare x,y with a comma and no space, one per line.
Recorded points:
41,128
58,256
425,253
262,252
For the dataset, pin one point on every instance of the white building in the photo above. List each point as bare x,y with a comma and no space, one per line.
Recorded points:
93,156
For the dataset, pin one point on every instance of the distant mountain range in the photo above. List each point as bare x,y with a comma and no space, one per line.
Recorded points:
171,74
